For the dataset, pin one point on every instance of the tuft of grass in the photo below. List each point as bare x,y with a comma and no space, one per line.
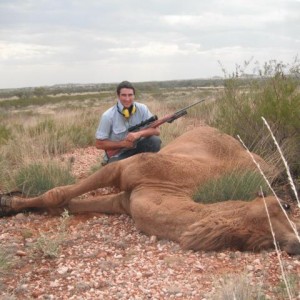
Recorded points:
238,185
6,260
60,135
37,178
293,289
96,167
6,177
46,125
237,286
169,132
48,245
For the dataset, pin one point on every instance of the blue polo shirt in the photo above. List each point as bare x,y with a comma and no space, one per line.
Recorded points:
114,126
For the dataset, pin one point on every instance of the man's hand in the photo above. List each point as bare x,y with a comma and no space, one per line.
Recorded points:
127,143
133,136
136,135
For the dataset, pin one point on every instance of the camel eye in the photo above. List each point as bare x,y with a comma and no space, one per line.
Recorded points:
286,206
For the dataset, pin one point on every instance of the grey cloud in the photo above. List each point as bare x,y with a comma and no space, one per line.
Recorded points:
79,38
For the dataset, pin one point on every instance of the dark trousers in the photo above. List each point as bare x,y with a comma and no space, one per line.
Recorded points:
149,144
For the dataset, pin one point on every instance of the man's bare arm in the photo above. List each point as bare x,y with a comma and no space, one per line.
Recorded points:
128,142
112,145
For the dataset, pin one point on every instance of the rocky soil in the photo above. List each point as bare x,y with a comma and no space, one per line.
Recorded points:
104,257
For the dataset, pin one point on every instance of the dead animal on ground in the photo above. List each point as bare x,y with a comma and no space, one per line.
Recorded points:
157,188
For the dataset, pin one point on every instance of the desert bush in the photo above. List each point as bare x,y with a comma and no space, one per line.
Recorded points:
238,185
37,178
274,96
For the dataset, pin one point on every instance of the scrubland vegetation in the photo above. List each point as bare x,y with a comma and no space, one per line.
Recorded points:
38,125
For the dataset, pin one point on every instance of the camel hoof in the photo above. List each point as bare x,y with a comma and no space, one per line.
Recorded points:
5,203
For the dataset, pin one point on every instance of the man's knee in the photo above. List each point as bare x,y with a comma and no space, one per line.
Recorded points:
149,144
156,143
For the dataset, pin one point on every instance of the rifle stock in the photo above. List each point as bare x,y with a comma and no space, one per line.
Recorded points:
153,122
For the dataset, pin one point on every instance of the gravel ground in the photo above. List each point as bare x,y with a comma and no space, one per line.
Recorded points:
105,257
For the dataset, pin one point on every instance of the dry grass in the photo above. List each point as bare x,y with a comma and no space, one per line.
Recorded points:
41,134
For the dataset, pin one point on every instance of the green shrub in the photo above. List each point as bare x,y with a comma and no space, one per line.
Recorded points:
37,178
233,186
274,96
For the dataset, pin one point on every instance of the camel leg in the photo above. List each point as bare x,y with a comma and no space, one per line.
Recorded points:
60,196
111,204
163,214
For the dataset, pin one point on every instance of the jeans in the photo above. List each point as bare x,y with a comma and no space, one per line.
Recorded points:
149,144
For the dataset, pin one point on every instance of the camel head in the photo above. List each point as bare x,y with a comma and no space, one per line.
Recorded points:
244,226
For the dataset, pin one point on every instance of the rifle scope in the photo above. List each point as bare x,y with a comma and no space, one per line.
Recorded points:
143,123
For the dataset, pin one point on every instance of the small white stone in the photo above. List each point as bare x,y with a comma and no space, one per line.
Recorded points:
62,270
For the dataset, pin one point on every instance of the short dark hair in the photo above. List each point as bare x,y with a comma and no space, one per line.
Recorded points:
125,85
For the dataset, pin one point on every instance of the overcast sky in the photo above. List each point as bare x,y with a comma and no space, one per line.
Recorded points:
46,42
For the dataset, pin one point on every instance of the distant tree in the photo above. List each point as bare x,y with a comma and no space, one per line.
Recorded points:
39,92
23,94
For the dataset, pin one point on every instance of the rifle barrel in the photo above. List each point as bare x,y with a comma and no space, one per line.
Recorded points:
193,104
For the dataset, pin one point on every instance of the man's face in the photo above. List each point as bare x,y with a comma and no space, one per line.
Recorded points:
126,97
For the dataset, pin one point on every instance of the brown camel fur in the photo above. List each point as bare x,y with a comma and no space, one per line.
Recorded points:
156,191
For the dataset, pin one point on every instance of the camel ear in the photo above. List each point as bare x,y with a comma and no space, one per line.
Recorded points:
214,235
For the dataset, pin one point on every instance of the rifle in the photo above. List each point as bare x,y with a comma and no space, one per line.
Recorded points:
154,122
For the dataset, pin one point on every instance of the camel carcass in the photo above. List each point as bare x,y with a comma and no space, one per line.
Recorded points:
157,188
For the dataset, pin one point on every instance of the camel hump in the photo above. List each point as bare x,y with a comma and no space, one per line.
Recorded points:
204,140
